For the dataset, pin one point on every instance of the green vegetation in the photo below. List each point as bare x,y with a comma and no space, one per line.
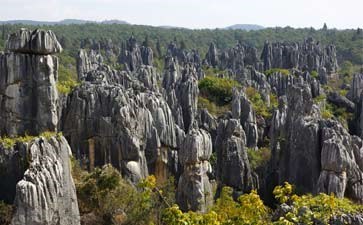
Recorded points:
217,90
9,142
6,212
277,70
248,209
258,158
112,200
314,74
212,71
308,208
67,74
213,108
339,113
259,105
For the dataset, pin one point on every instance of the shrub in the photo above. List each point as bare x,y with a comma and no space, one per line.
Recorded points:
6,212
9,142
314,74
316,208
277,70
258,158
113,200
258,104
212,108
218,90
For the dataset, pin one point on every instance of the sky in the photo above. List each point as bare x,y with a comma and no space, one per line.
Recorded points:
197,14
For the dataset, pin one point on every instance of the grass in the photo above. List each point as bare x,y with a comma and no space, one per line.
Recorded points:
9,142
277,70
212,108
258,158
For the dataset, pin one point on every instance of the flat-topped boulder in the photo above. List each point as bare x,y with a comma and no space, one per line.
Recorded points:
39,41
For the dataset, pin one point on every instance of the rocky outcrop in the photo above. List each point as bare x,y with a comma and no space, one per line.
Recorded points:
341,101
234,59
356,88
233,167
181,92
28,93
295,141
243,111
87,62
302,139
194,189
309,55
133,56
340,173
40,42
106,123
46,195
38,170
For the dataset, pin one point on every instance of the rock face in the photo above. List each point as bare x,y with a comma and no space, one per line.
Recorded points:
28,94
39,42
118,117
308,55
181,92
132,56
194,189
329,154
234,59
87,62
242,109
38,170
46,194
233,167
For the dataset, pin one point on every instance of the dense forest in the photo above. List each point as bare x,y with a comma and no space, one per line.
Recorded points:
349,43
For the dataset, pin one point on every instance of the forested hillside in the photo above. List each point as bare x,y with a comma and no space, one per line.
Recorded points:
349,43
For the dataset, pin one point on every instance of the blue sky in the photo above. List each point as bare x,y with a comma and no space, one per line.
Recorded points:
193,13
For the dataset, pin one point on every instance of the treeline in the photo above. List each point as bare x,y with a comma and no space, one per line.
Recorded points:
349,43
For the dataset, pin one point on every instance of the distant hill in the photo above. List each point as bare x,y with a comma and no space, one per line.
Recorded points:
245,27
62,22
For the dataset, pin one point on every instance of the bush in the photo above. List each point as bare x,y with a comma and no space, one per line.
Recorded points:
113,200
277,70
315,208
212,108
6,212
314,74
258,104
258,158
9,142
218,90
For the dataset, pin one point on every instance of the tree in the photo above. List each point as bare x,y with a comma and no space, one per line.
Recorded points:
325,27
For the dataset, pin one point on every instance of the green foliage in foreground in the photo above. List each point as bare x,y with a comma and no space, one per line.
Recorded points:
277,70
217,90
6,212
308,208
112,200
9,142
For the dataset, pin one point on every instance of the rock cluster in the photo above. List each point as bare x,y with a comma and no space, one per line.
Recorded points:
132,56
38,170
28,94
194,188
46,195
309,55
302,139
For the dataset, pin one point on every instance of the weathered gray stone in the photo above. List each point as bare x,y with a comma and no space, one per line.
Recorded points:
194,189
233,167
33,42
